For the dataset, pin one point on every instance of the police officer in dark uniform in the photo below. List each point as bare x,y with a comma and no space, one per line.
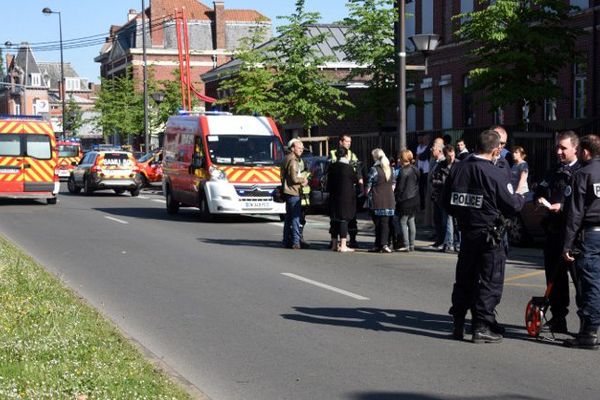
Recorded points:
582,241
479,195
551,193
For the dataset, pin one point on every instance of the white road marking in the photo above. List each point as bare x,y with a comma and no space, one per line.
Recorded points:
159,201
143,197
279,224
116,220
325,286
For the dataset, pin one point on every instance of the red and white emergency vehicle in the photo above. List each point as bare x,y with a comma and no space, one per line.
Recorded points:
69,156
222,164
28,159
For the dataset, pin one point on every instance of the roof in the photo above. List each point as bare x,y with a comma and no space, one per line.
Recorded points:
25,60
198,11
336,36
51,70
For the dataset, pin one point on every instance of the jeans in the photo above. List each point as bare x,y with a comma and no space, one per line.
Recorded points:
452,238
291,227
587,274
409,230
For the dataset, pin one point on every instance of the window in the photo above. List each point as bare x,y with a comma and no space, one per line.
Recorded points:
38,146
446,85
466,6
17,108
411,113
410,24
36,80
10,145
428,109
550,110
73,84
582,4
426,16
499,116
579,95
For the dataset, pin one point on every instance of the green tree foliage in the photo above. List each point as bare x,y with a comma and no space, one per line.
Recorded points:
369,43
304,92
518,49
73,116
250,89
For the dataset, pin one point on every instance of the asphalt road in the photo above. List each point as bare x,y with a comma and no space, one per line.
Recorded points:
242,318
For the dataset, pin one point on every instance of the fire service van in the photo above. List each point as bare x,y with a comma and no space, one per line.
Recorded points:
69,155
222,164
28,159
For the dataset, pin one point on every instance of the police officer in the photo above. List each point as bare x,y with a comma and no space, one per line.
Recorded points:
479,195
551,193
346,141
582,235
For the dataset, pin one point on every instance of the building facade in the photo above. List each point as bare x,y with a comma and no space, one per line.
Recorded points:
447,106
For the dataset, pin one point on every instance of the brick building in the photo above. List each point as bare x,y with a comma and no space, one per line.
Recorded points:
214,33
447,107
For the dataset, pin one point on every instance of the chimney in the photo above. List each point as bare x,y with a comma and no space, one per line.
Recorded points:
219,24
131,14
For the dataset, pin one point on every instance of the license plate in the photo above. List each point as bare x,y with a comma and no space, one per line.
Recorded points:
10,171
63,172
257,204
115,172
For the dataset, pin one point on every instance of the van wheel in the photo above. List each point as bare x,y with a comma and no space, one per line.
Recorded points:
51,200
87,188
135,192
73,188
119,191
172,205
205,214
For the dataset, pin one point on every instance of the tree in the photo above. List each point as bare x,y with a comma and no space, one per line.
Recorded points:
120,107
369,44
519,49
73,116
251,88
303,90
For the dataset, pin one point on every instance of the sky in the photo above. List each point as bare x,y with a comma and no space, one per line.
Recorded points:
23,21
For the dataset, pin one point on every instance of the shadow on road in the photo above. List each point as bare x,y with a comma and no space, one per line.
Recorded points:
426,396
413,322
314,245
184,215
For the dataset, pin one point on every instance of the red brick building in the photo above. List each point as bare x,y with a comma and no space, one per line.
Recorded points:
447,107
214,32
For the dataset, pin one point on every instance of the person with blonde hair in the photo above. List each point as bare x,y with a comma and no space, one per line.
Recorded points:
406,194
381,199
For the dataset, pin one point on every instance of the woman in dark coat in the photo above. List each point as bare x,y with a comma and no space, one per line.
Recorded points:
406,193
341,180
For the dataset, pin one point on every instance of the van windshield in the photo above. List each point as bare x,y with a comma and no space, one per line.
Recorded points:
68,150
245,150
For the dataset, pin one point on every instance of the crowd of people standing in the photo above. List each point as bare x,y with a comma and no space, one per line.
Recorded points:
472,196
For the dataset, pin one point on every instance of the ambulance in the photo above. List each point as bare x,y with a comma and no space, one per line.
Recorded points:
28,159
69,155
222,164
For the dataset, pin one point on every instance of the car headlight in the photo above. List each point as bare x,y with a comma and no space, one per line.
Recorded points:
216,174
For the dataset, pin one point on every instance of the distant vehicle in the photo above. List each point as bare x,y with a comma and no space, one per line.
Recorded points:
28,159
151,171
69,155
101,170
222,164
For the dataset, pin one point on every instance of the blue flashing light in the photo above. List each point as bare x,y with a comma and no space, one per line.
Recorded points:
21,116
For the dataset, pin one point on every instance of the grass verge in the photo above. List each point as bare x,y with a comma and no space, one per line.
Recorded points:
54,346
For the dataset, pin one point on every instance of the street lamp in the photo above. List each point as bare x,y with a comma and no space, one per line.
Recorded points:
48,11
424,43
158,98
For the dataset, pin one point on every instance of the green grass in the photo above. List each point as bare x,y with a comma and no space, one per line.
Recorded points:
54,346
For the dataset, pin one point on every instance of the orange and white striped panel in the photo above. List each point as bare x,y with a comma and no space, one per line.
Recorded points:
252,175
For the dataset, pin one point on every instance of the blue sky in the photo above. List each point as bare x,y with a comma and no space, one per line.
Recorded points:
23,21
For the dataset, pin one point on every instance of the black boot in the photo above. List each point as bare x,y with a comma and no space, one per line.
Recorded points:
483,334
496,327
556,325
584,340
458,332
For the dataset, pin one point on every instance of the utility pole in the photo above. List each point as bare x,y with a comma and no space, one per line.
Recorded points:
145,77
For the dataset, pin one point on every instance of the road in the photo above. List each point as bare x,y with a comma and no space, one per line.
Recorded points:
242,318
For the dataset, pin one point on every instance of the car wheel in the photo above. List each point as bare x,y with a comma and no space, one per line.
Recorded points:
135,192
144,180
51,200
119,191
73,188
205,214
87,188
172,205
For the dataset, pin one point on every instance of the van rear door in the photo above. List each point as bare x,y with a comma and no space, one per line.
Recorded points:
11,179
38,163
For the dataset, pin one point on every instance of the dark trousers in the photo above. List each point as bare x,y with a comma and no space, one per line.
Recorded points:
479,278
422,189
440,221
339,228
587,274
557,273
351,226
382,230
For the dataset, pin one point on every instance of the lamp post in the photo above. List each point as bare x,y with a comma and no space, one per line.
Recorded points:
424,43
145,78
62,91
158,98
